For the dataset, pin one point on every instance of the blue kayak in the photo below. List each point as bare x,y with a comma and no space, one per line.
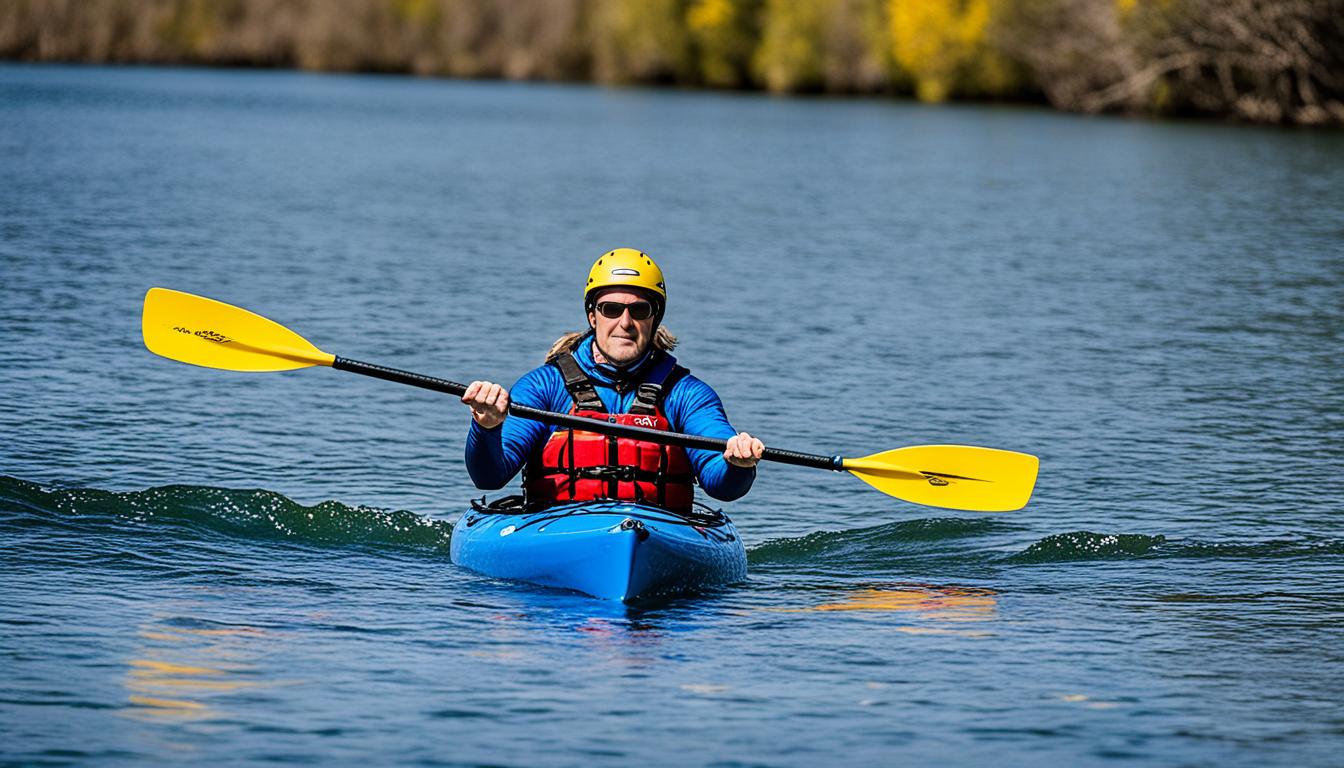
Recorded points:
610,549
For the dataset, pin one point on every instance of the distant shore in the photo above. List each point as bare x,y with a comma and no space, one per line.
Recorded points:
1248,60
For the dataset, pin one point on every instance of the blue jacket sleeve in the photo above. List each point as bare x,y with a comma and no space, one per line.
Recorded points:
693,407
494,456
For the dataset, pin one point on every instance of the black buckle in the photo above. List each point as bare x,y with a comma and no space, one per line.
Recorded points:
649,392
619,474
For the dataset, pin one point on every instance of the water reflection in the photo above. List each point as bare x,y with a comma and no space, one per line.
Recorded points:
934,609
179,672
526,613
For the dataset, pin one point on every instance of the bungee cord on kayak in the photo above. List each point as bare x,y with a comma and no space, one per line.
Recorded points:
701,517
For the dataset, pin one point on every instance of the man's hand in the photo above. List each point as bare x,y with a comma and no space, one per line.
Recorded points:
743,450
489,403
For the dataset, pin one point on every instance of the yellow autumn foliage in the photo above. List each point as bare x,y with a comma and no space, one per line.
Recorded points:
416,11
721,32
832,45
709,15
944,46
789,54
640,40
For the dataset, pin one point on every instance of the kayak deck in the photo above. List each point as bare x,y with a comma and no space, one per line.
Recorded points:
610,549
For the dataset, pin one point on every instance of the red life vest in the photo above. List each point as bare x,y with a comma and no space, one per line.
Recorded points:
583,466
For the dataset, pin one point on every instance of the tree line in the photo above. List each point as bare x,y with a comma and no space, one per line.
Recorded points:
1272,61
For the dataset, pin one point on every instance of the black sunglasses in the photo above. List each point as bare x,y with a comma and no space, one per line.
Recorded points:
639,310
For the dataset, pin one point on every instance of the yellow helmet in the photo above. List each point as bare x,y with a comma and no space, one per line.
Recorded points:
629,268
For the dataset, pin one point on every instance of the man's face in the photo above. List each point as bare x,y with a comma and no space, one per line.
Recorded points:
623,339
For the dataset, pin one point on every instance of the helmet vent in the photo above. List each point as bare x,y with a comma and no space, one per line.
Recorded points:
629,268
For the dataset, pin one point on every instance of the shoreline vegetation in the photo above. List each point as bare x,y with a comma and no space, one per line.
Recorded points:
1262,61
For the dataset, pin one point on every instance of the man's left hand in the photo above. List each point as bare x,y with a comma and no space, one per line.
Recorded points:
743,450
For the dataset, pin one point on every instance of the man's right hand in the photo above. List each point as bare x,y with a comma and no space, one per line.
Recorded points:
489,403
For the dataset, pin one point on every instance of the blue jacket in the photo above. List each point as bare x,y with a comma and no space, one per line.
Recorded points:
494,456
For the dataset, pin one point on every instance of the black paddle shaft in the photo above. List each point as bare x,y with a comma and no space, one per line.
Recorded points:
584,423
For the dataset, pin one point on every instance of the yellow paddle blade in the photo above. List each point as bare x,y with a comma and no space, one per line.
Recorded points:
951,476
193,329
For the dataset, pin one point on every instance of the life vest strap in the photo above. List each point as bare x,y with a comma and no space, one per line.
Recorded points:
648,395
577,384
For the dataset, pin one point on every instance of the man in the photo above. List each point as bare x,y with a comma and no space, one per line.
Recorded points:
619,370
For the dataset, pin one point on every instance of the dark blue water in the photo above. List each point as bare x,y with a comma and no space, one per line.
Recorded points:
234,568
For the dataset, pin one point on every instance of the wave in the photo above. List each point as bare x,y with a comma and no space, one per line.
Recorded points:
201,510
969,537
909,537
266,515
1087,545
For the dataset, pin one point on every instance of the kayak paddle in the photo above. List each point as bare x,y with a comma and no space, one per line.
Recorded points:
200,331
